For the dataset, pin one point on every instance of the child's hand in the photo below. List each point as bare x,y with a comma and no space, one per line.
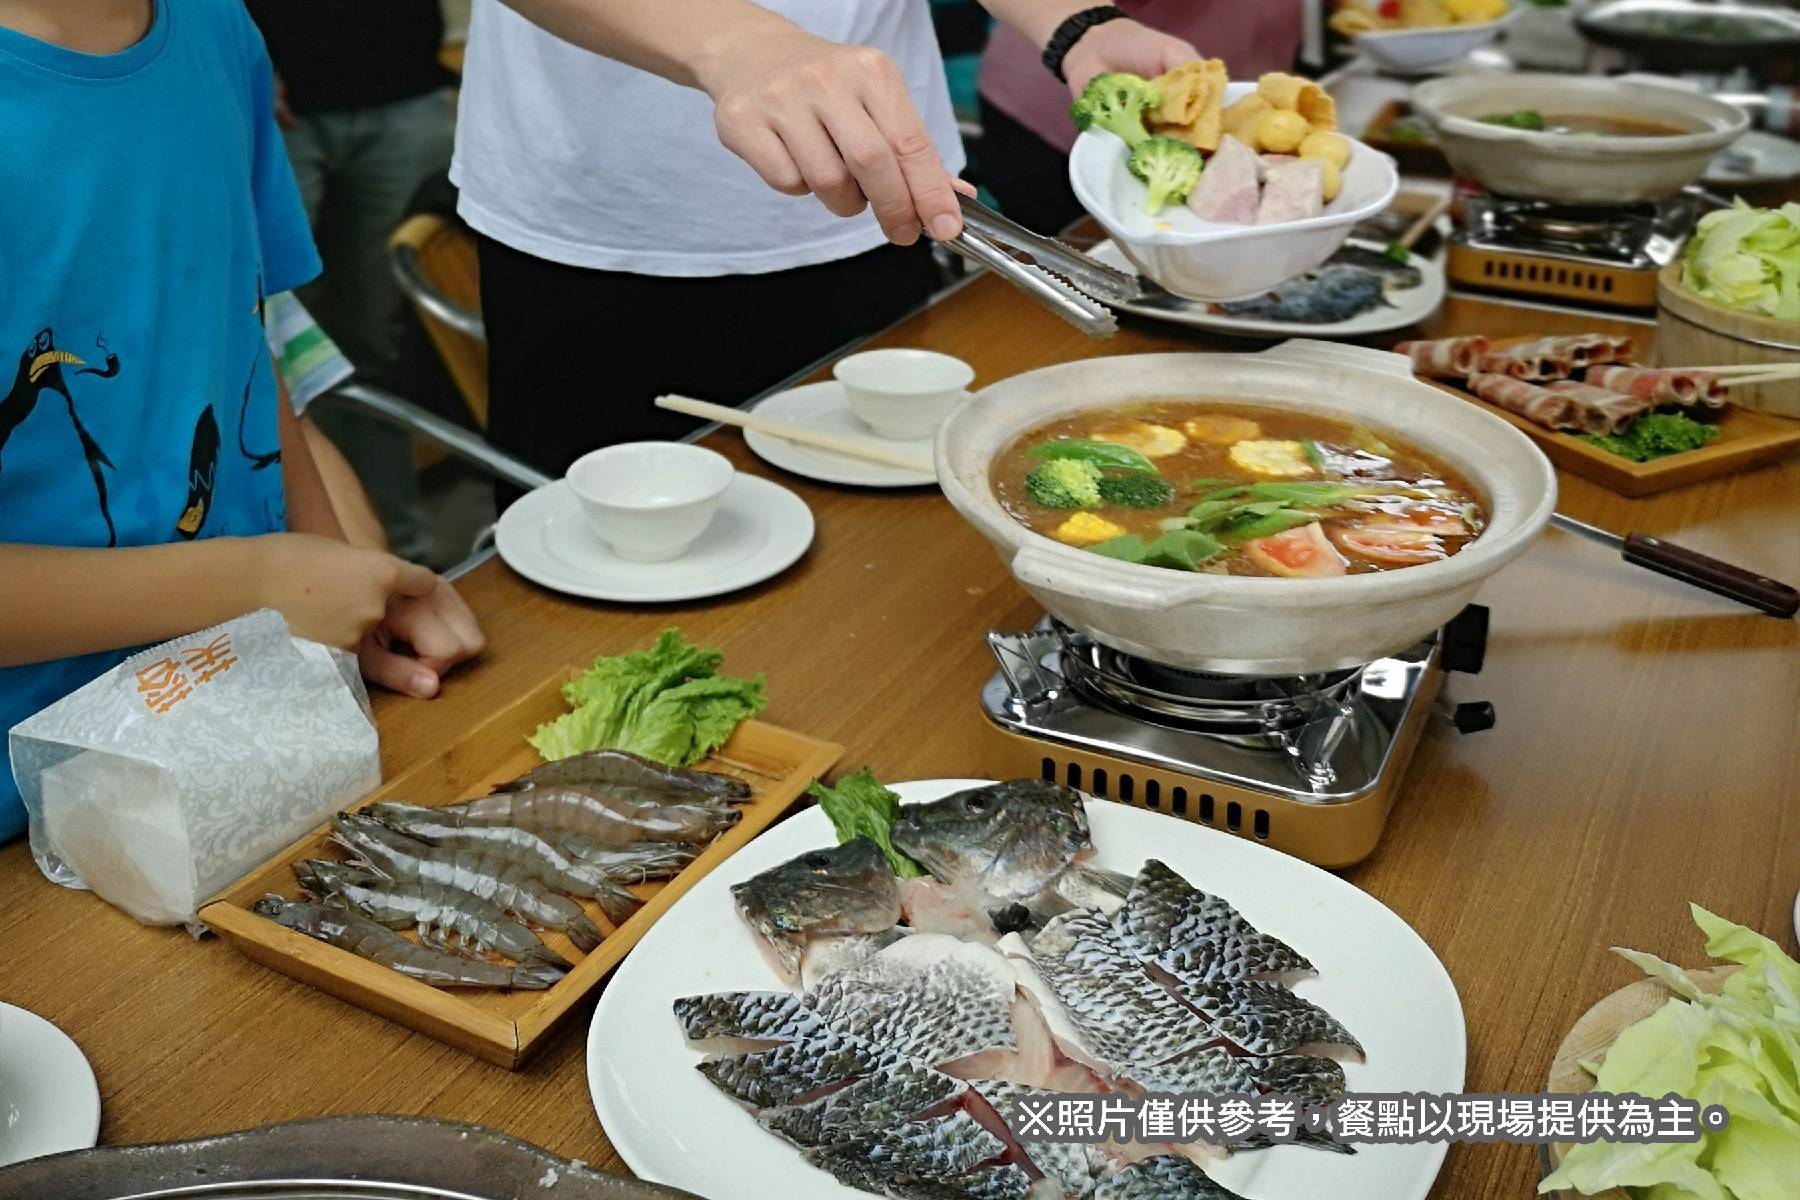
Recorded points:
330,591
439,629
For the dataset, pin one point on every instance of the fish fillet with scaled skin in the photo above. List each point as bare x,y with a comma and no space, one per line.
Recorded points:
912,1152
1162,1178
1196,937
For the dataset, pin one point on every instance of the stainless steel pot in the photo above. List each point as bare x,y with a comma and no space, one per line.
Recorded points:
1242,624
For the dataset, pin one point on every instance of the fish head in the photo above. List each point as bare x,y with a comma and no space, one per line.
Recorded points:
843,889
1009,840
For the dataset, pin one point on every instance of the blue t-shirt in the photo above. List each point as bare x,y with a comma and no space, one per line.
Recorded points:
146,208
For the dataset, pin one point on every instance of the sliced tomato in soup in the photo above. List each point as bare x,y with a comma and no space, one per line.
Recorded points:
1304,551
1392,546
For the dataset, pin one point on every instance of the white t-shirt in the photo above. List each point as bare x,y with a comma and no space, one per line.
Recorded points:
574,158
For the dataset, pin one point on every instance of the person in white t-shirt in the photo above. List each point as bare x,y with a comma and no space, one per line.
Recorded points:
704,196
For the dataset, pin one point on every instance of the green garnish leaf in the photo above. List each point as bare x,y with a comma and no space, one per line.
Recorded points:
1100,454
1242,489
1314,455
1252,526
667,703
1525,118
1183,549
1126,548
1397,252
859,806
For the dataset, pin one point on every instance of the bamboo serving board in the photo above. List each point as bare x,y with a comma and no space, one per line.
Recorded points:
1595,1033
1747,439
505,1027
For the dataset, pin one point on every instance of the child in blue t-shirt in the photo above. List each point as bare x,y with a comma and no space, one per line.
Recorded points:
153,480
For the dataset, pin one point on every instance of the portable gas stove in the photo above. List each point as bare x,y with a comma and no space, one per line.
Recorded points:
1604,256
1309,764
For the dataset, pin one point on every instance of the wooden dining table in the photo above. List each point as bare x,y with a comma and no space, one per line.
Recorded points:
1647,754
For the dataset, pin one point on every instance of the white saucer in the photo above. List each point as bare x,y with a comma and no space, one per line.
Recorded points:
1758,157
823,406
760,530
49,1102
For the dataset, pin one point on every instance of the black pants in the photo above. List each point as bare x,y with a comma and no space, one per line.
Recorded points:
1026,174
576,356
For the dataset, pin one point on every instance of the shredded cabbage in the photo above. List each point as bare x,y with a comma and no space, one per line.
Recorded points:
1748,258
1740,1048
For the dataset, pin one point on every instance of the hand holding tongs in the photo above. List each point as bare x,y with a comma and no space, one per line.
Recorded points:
1061,278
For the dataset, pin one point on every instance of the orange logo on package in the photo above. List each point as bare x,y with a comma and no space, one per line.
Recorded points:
214,658
163,684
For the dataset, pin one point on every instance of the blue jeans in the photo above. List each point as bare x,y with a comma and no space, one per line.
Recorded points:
358,172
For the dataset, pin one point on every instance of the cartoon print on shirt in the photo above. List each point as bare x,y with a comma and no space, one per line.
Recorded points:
257,461
203,470
41,370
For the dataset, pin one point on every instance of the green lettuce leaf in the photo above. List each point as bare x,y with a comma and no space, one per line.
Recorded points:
1739,1048
1747,258
667,703
860,807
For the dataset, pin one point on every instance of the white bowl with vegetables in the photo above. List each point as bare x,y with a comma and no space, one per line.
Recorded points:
1217,260
1242,623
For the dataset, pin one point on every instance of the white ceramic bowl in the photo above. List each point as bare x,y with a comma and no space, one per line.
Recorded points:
1244,624
1205,260
649,501
1573,168
1410,51
903,394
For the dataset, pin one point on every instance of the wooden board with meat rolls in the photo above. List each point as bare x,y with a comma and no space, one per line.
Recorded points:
1586,403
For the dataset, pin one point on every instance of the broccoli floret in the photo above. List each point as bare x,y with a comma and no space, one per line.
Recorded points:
1065,483
1136,491
1169,166
1117,101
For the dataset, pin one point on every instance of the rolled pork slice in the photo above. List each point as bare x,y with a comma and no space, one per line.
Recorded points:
1664,386
1292,192
1539,405
1446,358
1599,410
1227,192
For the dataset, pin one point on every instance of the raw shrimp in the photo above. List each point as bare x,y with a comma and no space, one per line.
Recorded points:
547,864
433,907
489,876
607,819
627,864
354,932
633,777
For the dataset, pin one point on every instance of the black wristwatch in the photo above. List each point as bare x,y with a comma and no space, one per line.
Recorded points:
1070,31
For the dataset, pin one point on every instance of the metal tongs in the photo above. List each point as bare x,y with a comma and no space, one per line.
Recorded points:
1058,276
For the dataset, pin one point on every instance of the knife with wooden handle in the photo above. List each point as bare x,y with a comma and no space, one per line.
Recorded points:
1691,567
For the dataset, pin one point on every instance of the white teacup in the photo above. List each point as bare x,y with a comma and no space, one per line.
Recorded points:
903,394
650,501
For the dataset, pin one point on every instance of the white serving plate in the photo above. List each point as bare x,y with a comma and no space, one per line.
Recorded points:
1375,974
1407,306
1759,157
1410,51
760,530
49,1102
1206,260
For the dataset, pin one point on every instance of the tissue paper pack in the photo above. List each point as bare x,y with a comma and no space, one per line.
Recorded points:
169,777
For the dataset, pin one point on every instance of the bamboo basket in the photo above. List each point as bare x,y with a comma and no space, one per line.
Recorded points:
1693,331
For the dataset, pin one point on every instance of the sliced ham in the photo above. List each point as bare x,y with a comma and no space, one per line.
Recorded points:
1446,358
1541,406
1227,192
1292,192
1600,410
1686,388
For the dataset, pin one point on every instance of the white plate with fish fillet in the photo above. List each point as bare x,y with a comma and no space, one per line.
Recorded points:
1375,974
1404,306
